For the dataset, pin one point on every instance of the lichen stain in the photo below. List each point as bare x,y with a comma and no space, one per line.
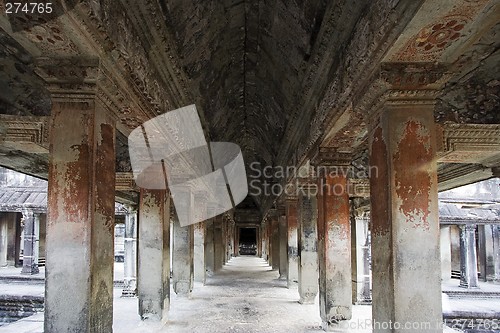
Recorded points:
412,178
378,185
76,185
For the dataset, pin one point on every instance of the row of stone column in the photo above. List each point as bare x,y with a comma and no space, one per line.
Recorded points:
331,251
476,254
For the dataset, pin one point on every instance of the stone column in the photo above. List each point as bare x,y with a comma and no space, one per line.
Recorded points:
182,270
275,243
406,263
360,261
445,245
293,247
199,239
269,242
334,249
3,239
308,255
493,255
130,256
263,237
153,270
258,237
237,241
30,260
468,257
199,252
80,222
283,235
218,243
209,247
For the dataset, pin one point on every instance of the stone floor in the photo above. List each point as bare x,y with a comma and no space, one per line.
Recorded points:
246,296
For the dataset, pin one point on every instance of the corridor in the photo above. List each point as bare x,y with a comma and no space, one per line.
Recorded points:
245,296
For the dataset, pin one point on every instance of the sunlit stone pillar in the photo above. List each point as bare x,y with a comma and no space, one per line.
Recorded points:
153,266
293,247
308,255
468,257
30,254
445,245
81,195
360,260
404,213
334,248
130,256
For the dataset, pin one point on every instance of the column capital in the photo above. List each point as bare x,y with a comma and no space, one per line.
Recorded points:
326,157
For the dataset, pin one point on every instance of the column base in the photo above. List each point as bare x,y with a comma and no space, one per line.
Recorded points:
182,288
130,289
307,299
466,286
293,284
30,270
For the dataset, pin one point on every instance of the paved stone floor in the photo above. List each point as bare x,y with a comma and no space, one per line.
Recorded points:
246,296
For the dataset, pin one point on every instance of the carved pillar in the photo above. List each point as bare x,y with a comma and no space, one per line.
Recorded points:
293,246
130,257
153,270
30,253
308,255
489,252
468,257
81,195
445,245
404,209
334,248
283,236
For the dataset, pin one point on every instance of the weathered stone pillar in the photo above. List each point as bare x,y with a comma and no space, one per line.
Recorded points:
130,256
209,247
182,270
259,241
293,246
3,239
153,269
275,243
199,252
283,235
360,260
218,243
237,241
81,195
30,253
334,249
263,237
406,263
308,255
493,255
445,245
199,239
489,252
468,257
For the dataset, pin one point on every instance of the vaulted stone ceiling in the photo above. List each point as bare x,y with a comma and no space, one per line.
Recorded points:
248,60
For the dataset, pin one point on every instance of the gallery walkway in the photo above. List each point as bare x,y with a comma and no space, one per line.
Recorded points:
245,296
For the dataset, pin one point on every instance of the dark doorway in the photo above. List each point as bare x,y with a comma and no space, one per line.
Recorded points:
248,241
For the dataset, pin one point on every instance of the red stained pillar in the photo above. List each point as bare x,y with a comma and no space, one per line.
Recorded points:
404,211
81,196
334,248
